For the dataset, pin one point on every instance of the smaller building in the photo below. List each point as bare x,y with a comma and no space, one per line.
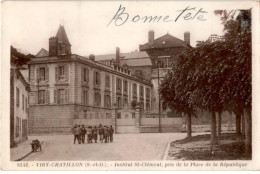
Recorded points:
19,89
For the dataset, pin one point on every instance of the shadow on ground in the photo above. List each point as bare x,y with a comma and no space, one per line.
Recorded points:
230,147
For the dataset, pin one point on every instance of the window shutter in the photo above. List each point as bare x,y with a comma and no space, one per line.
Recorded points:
66,72
94,78
87,75
37,74
47,73
47,96
82,96
82,74
56,73
36,97
55,96
66,95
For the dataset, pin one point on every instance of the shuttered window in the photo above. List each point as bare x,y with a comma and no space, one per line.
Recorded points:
62,72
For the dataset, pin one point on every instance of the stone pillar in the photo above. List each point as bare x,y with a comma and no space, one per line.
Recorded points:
137,118
113,117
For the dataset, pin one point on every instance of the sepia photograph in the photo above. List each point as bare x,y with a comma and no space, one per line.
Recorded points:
129,85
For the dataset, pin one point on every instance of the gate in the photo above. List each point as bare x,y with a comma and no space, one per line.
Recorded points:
125,122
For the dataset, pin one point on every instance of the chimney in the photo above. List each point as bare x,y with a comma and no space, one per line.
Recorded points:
187,37
92,57
117,55
150,36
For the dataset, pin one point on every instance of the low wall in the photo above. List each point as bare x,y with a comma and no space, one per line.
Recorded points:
93,122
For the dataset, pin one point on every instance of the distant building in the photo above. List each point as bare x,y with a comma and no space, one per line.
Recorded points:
19,89
215,37
212,38
67,89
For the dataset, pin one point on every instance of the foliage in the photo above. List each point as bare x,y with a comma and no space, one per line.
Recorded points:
18,58
213,76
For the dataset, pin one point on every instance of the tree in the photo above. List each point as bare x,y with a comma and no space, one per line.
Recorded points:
215,76
174,90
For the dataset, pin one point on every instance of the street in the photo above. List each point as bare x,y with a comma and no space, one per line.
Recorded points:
150,146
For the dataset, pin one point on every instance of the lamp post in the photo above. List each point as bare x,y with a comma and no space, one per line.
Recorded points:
158,76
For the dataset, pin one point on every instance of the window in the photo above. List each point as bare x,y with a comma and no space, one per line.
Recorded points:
126,116
119,84
107,101
134,90
41,99
142,104
85,97
141,91
125,101
85,75
61,96
107,82
61,70
26,109
147,106
17,127
17,97
85,114
97,98
133,115
108,115
97,79
119,102
23,102
42,74
118,115
148,93
125,86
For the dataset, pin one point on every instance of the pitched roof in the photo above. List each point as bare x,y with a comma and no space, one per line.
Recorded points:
62,36
42,53
135,54
136,62
166,41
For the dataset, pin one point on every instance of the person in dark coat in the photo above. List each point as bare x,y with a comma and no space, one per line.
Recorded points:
83,133
99,132
105,134
73,131
95,132
111,133
77,133
108,134
89,134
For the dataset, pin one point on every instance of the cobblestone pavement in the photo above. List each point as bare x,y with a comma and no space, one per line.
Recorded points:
126,147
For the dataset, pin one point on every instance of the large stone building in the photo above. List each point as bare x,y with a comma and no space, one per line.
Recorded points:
67,89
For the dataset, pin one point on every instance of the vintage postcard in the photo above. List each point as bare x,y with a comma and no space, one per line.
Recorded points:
106,85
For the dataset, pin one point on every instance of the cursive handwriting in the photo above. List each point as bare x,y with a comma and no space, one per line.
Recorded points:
121,16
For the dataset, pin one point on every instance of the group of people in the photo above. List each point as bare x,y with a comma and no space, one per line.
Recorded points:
105,133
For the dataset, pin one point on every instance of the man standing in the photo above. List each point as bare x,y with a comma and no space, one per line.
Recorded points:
77,133
83,133
108,134
111,133
73,130
95,133
89,134
99,131
105,134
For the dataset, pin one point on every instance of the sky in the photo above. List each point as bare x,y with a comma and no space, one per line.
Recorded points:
29,25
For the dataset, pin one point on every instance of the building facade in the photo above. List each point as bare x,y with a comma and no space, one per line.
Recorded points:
18,106
67,89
